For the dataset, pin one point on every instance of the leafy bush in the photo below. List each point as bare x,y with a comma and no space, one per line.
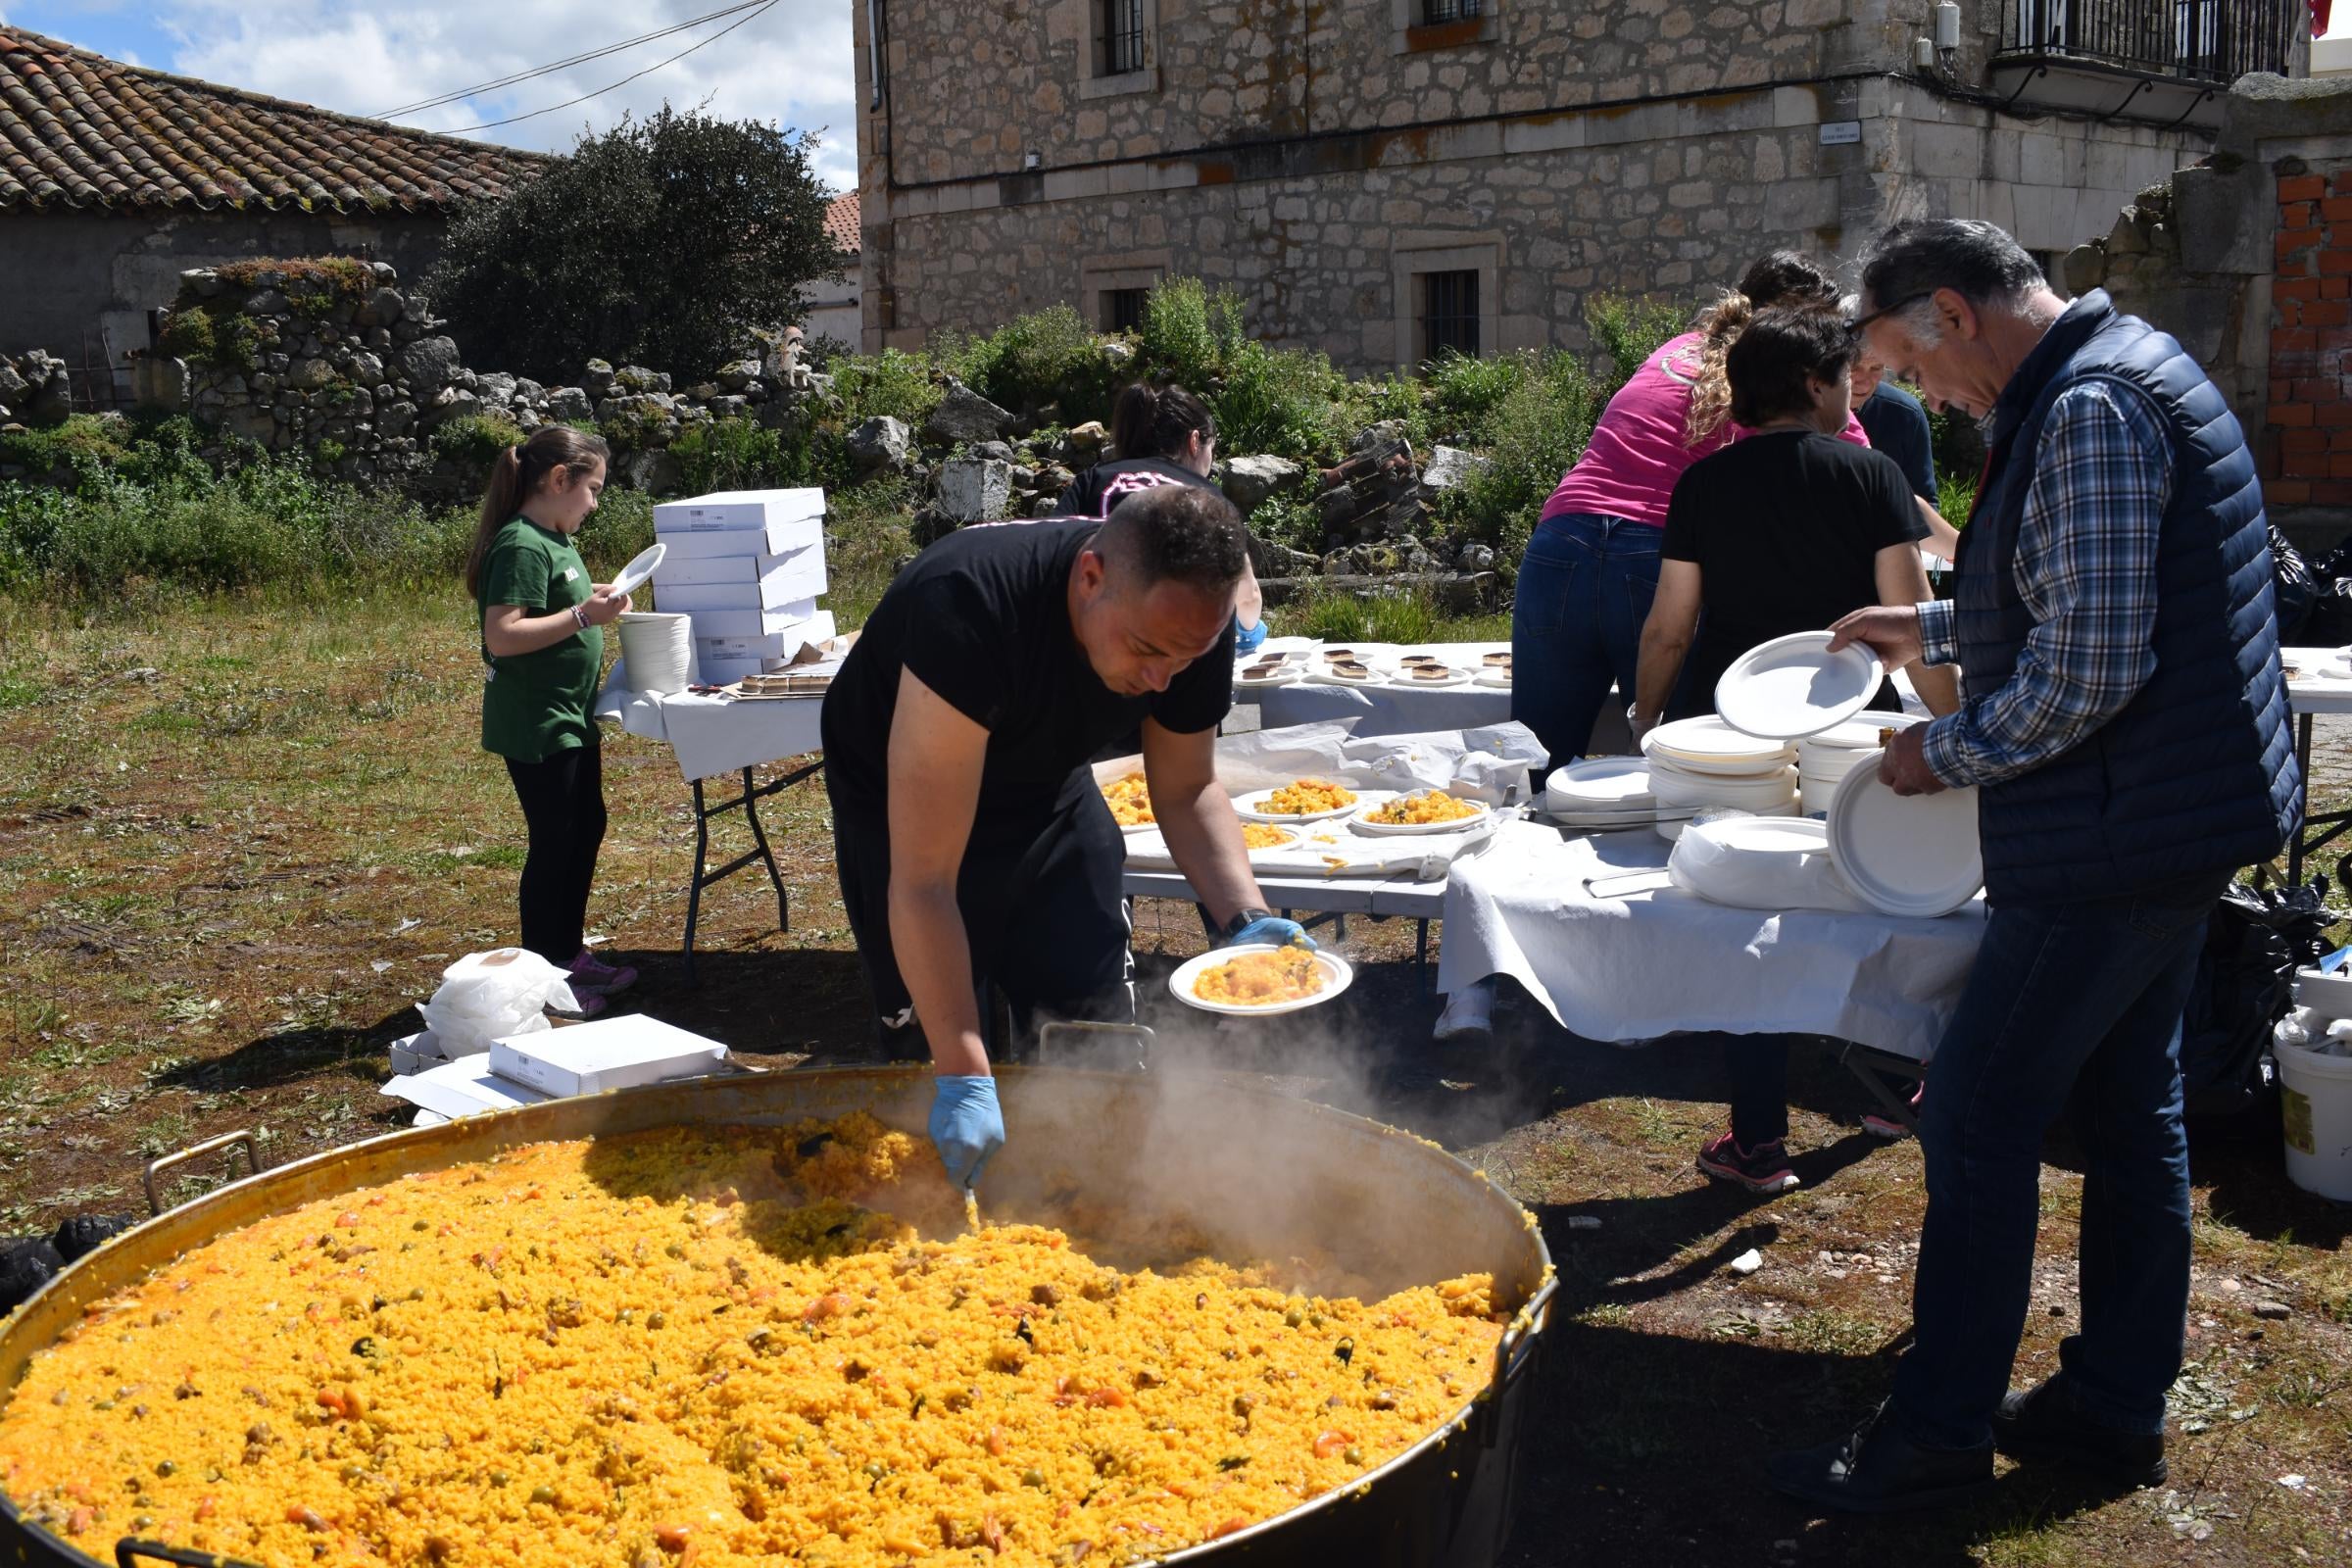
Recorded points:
1539,428
1285,401
742,455
195,334
1383,617
1186,330
1464,392
892,382
474,441
634,248
1290,520
1046,357
1627,332
82,439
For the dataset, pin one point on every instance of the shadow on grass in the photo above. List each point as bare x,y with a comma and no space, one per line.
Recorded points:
288,1055
1620,1414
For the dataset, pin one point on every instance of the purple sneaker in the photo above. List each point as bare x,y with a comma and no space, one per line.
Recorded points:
592,973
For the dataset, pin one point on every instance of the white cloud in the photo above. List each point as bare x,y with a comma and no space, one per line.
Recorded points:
790,64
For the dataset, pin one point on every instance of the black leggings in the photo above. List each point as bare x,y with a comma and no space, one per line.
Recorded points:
563,797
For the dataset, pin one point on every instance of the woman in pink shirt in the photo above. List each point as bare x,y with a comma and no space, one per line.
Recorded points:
1591,567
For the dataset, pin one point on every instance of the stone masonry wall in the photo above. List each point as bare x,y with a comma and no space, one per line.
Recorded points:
1317,158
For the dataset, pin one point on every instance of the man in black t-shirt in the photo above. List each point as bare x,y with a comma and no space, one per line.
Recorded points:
972,843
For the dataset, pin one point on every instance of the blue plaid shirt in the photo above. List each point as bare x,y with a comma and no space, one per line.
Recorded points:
2086,567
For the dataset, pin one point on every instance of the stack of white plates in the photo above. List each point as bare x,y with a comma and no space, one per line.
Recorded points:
1823,761
1906,854
1601,793
1698,764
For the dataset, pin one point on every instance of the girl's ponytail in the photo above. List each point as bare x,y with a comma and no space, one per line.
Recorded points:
515,477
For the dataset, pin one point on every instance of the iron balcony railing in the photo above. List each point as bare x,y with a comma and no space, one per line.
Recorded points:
2201,41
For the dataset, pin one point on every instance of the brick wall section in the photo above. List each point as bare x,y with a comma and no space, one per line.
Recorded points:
2307,447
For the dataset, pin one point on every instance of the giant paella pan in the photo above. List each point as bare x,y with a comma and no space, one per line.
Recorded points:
744,1320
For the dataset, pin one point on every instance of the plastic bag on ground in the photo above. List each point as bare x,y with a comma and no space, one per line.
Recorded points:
2254,943
488,996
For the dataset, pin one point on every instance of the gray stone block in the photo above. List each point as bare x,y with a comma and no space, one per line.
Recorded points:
1452,468
1252,479
975,490
879,443
963,414
309,375
426,364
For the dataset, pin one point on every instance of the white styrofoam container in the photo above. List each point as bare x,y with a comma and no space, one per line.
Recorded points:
801,569
464,1087
730,510
416,1052
607,1053
777,593
782,645
754,623
770,539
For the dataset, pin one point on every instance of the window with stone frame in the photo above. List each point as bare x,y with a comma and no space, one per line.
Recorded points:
1123,309
1449,314
1118,37
1419,26
1437,13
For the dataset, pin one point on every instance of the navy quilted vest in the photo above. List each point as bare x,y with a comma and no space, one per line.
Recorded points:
2197,773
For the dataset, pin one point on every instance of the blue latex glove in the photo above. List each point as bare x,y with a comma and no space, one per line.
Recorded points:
1272,928
1247,639
966,1127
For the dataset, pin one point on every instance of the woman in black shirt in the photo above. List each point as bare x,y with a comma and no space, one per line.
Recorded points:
1784,530
1165,436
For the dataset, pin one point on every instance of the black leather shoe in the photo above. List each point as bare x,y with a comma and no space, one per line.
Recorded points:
1877,1469
2045,1425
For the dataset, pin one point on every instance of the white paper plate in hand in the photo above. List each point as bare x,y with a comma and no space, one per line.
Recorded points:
1793,686
1252,808
634,575
1913,854
1363,822
1338,975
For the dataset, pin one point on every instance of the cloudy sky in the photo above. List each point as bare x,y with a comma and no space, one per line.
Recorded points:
790,64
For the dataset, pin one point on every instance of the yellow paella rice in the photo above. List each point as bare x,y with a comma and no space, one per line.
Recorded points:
1266,836
1428,806
1307,796
709,1347
1262,979
1130,800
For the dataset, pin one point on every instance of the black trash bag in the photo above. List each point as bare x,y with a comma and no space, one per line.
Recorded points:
26,1265
2328,624
83,1235
2297,591
2254,943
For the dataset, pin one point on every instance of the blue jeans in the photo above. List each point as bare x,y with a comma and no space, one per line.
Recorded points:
2073,1005
1584,587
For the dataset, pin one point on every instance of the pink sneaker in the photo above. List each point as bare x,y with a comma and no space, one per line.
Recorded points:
591,972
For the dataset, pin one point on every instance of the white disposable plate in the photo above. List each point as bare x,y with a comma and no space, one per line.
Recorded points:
1274,849
1914,855
1363,823
1671,827
1139,827
1288,645
1252,808
1859,733
633,576
1707,744
1793,686
1327,673
1281,677
1769,836
1338,974
1603,782
1500,678
1671,789
1455,676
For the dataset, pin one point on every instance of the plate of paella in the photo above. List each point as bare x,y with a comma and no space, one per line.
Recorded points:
1130,803
1259,979
1421,812
1302,800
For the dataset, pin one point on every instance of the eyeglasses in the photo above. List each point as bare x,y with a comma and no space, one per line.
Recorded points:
1885,311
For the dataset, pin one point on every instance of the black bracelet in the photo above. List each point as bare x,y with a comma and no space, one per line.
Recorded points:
1235,927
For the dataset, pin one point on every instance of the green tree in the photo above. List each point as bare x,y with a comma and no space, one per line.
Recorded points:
661,242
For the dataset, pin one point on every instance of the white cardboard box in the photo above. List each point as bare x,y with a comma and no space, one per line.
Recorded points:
713,671
589,1058
773,539
697,597
817,628
795,574
416,1052
733,509
464,1087
713,624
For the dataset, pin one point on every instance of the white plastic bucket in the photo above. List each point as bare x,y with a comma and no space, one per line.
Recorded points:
659,651
2315,1104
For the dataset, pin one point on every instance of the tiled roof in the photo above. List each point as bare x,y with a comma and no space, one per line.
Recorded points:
80,130
840,224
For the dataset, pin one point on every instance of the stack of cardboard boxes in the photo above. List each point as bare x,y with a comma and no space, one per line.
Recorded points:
748,567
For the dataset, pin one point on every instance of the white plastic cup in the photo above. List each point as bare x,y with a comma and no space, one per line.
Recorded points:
659,651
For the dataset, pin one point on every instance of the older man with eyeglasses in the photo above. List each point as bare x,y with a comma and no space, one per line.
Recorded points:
2123,720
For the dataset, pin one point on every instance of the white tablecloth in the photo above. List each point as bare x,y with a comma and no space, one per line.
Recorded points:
1646,964
712,735
2311,694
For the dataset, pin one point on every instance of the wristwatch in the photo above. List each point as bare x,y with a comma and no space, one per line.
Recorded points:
1241,920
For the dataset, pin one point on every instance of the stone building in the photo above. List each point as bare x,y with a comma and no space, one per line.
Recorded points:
115,179
1380,178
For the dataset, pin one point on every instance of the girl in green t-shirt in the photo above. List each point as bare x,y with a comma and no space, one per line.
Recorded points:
543,645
